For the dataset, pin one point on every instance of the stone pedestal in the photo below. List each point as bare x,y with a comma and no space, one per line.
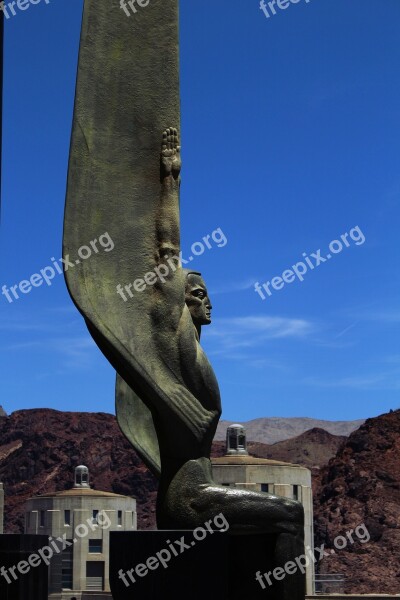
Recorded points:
173,564
19,580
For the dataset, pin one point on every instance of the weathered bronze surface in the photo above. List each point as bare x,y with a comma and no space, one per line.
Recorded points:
124,179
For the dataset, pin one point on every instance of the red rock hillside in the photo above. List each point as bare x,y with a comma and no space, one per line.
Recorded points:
311,449
361,485
40,448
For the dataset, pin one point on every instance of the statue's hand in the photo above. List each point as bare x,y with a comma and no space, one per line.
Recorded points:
170,154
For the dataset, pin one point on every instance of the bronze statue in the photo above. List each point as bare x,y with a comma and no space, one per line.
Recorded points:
168,401
187,495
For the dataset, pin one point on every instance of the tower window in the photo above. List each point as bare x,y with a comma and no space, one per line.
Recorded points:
233,442
95,516
119,518
95,546
42,518
67,567
267,487
296,492
67,517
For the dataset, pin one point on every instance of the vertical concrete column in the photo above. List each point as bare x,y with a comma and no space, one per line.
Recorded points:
79,552
308,535
113,516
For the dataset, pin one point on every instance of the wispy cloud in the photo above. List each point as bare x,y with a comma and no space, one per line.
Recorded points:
5,347
58,334
251,331
78,352
346,330
393,359
73,351
67,309
377,381
266,327
385,316
376,314
19,326
238,286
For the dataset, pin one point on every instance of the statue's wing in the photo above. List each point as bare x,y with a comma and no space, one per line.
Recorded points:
127,94
136,423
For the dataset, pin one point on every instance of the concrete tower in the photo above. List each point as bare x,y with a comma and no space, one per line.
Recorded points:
77,522
238,469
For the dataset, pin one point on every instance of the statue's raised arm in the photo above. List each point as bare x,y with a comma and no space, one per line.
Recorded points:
179,308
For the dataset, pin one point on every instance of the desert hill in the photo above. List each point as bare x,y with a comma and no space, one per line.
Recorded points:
39,449
361,485
311,449
269,430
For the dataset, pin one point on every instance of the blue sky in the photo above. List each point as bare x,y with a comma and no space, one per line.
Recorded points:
290,129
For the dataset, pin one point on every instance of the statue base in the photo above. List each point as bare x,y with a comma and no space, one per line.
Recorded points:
19,577
190,565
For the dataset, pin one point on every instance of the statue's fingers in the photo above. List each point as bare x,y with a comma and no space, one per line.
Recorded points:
170,139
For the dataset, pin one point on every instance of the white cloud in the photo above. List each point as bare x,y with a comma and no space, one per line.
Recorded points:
251,331
378,381
238,286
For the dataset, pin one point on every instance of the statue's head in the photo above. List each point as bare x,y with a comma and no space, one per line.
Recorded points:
196,298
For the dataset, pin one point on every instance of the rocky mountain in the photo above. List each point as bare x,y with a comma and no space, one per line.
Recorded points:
311,449
276,429
359,492
39,450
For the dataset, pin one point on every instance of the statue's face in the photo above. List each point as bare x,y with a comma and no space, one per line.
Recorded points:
197,300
